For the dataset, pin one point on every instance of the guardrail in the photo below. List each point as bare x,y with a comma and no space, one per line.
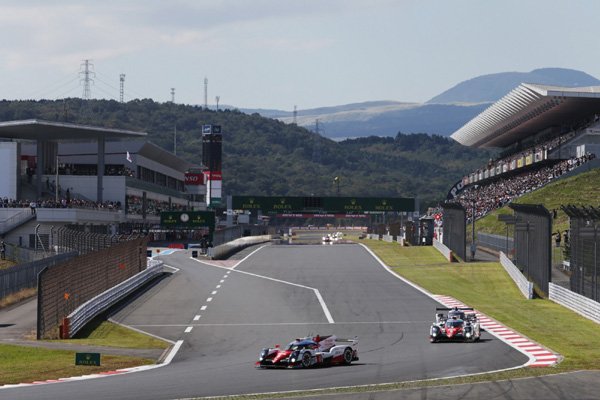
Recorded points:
522,283
582,305
442,248
227,248
93,307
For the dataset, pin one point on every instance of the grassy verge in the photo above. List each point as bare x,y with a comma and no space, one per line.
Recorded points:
488,288
17,297
27,364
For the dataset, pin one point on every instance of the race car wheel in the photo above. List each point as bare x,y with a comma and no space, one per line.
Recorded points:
306,360
348,356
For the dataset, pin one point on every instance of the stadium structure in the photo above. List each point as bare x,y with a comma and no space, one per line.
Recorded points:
58,174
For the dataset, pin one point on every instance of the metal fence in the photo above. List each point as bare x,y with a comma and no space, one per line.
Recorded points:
455,229
496,242
78,238
24,276
583,246
533,231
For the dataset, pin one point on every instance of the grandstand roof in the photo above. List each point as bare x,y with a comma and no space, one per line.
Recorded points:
34,129
526,110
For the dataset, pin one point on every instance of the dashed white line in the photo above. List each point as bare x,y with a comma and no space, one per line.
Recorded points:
209,300
197,317
218,286
221,281
188,329
202,308
214,292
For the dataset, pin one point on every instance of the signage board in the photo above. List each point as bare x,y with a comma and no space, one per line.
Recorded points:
92,359
187,219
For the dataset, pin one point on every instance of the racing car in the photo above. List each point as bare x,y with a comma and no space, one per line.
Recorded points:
457,324
310,351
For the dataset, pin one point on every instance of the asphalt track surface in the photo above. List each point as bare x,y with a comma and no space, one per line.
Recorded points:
272,298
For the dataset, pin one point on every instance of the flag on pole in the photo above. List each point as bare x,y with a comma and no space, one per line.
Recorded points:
129,157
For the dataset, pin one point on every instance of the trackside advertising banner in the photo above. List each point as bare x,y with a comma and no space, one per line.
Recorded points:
332,205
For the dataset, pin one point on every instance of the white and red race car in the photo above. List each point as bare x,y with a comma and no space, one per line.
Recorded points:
309,352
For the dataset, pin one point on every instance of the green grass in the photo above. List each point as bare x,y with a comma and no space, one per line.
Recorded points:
488,288
27,364
19,364
104,333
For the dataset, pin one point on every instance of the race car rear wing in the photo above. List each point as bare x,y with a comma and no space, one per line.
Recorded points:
458,308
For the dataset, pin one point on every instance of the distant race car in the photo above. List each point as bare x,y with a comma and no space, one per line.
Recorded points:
310,352
458,324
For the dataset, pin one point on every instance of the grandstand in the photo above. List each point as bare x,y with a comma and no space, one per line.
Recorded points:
542,132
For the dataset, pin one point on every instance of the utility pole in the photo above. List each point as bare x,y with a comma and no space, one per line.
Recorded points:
295,121
217,98
173,95
121,87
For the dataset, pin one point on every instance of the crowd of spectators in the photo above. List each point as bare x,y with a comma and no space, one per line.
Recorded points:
486,198
153,207
61,203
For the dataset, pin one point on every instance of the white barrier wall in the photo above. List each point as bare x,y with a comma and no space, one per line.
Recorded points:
237,244
442,248
387,238
522,283
574,301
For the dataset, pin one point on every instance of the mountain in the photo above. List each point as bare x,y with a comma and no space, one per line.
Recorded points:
442,115
489,88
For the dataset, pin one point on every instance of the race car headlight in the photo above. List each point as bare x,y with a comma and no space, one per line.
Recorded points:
468,334
434,333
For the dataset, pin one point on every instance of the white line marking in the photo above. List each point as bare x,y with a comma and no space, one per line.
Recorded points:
221,281
141,331
173,352
248,256
218,286
209,300
202,308
188,329
197,317
228,272
316,291
290,324
173,268
214,292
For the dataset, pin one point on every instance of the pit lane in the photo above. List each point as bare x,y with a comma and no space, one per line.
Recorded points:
268,299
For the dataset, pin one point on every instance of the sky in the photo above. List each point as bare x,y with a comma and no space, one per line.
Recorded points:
277,54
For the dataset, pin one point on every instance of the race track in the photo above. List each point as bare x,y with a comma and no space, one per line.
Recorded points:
277,294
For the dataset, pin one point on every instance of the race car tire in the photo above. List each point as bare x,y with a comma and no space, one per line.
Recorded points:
348,356
432,339
306,359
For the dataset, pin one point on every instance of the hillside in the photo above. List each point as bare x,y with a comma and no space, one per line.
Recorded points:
263,156
442,115
579,190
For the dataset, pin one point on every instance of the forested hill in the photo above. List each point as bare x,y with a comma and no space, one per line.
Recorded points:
262,156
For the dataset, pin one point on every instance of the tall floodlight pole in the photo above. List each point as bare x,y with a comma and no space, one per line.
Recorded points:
205,93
